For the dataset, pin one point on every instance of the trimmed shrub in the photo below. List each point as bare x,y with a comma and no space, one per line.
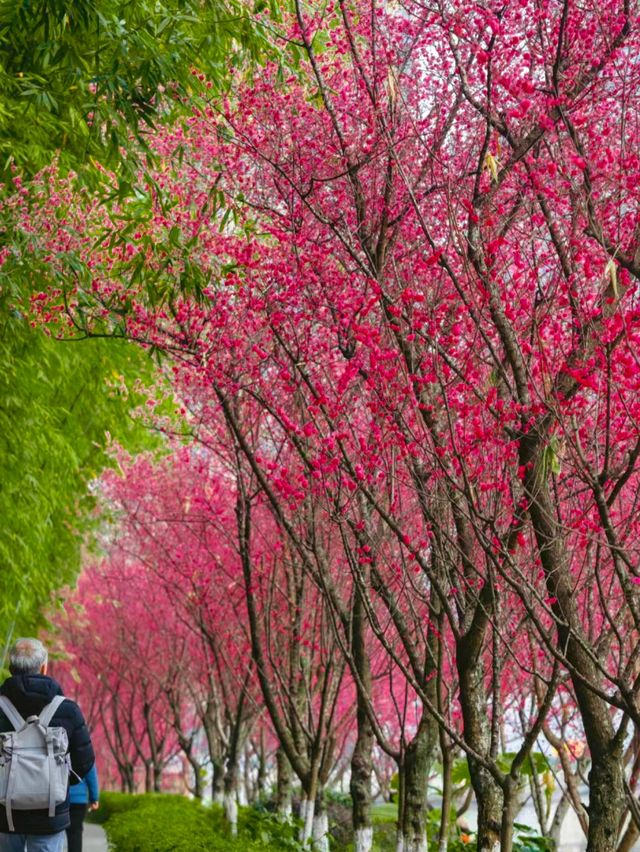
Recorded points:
161,822
164,824
115,803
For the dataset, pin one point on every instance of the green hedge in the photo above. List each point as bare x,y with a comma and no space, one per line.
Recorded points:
160,822
115,803
168,823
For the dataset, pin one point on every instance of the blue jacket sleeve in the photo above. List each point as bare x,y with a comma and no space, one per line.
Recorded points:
80,747
92,783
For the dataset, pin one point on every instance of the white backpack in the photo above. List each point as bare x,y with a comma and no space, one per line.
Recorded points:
34,761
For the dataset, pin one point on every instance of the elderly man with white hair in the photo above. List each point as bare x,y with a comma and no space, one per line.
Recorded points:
30,691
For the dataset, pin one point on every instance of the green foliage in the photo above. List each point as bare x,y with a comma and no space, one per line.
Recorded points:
381,814
528,840
59,405
112,803
61,61
338,797
166,823
460,775
161,822
80,75
267,829
84,80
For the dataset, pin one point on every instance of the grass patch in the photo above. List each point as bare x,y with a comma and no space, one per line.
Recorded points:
382,814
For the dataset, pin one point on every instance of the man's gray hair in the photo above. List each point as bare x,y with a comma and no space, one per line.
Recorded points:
27,656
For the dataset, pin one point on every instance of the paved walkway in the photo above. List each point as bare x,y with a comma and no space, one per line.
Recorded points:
93,838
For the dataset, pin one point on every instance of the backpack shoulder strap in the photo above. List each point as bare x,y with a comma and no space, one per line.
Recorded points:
11,713
47,713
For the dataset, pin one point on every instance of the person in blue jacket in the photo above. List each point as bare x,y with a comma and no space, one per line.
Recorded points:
82,797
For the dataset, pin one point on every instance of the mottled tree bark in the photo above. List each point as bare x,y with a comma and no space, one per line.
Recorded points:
283,785
558,818
509,812
629,838
148,783
127,783
320,830
217,781
361,759
606,779
231,794
261,780
447,794
477,732
415,774
606,800
157,778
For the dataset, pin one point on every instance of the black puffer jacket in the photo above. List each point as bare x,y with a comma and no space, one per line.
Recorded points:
30,694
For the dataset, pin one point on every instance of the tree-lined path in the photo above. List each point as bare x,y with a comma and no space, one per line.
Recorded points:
365,279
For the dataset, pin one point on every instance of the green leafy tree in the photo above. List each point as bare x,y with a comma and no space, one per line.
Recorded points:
83,76
60,405
82,80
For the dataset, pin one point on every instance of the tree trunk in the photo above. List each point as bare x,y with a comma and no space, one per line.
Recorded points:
320,828
307,810
186,744
127,778
231,765
261,782
629,838
447,795
606,801
148,784
154,747
249,787
509,812
477,734
489,799
606,779
157,778
197,778
416,765
562,809
283,785
231,795
217,782
363,839
361,759
215,755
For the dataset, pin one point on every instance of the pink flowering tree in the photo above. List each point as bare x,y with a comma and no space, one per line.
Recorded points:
119,664
176,519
